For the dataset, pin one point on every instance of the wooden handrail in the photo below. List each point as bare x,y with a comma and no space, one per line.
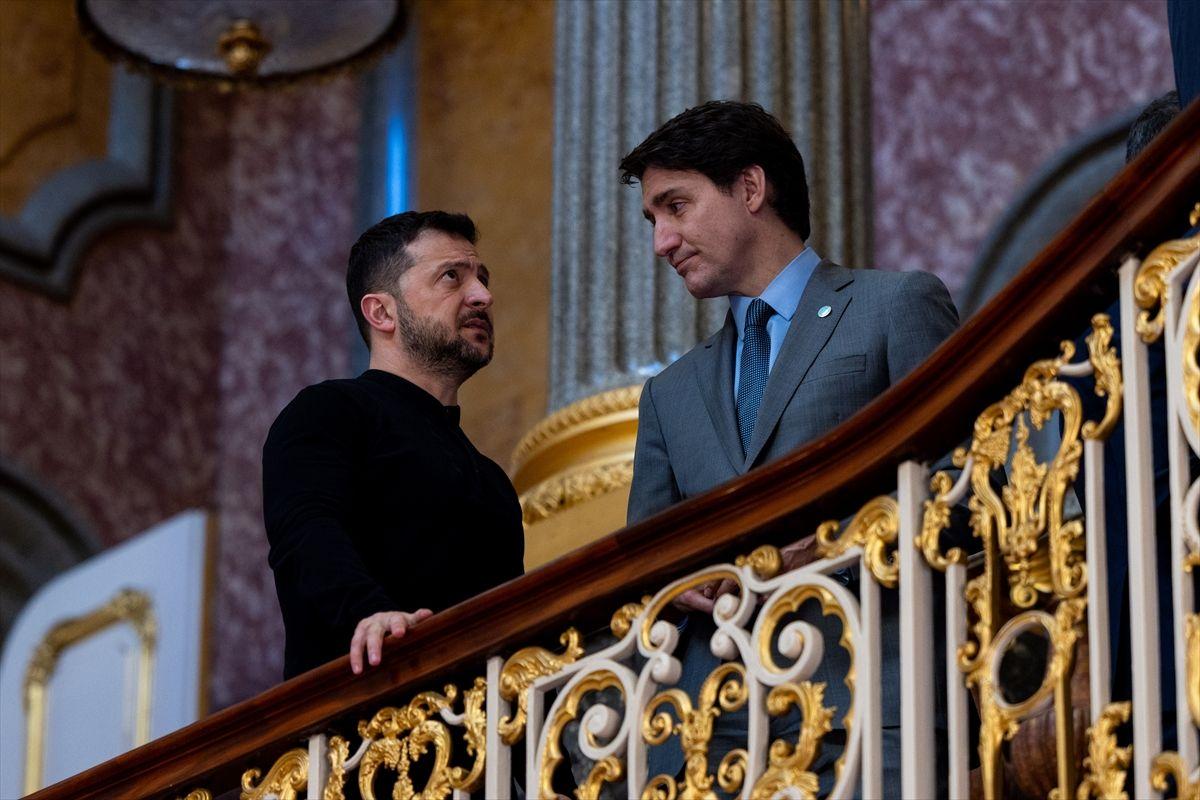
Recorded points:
920,417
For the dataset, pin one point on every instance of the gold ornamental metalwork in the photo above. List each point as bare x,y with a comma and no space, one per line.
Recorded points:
764,561
1031,553
1190,353
1170,766
1150,289
874,528
790,767
198,794
127,606
285,779
622,619
725,689
1106,763
398,737
522,669
607,770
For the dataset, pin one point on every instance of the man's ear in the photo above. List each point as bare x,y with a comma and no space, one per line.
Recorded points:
752,184
379,310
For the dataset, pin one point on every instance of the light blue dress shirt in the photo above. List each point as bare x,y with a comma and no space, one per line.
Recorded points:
782,294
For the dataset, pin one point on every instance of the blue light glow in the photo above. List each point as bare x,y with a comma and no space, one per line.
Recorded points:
396,168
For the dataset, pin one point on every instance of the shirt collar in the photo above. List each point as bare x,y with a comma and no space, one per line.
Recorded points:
783,292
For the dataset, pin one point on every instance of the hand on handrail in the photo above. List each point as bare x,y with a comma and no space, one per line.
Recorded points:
370,632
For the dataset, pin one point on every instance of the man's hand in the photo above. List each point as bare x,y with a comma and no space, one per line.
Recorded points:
370,632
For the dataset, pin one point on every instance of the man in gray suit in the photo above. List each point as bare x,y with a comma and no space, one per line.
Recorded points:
806,343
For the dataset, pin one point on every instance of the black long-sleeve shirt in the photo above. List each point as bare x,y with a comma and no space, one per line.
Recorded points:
375,500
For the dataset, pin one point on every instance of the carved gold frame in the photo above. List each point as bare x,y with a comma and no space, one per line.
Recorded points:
126,606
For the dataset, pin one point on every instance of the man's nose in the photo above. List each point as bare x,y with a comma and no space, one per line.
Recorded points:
666,240
478,295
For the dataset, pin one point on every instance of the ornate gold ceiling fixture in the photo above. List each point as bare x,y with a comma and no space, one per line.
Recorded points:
238,44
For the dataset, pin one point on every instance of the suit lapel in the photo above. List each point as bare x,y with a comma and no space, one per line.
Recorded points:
806,337
714,374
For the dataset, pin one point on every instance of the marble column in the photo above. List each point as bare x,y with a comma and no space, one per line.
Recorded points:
625,67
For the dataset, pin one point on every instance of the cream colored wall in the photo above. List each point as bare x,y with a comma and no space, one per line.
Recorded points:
483,146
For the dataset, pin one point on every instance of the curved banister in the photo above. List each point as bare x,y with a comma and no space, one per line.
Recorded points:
921,417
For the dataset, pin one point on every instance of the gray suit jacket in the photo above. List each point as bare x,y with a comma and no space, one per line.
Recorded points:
880,326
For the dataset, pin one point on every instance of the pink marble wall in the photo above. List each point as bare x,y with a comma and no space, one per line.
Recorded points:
152,390
971,98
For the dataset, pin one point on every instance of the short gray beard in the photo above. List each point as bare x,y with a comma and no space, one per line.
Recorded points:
436,349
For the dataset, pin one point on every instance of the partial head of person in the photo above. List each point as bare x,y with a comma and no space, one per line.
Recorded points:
420,295
724,187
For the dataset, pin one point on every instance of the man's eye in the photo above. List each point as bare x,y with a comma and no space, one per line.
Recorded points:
675,207
452,274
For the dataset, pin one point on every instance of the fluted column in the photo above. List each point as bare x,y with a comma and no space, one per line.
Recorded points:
625,67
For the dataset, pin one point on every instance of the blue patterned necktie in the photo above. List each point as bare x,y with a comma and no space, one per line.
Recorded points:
755,366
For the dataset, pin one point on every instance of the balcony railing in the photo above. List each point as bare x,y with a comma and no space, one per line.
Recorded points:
506,686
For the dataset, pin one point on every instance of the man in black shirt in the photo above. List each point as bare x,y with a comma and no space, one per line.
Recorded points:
378,508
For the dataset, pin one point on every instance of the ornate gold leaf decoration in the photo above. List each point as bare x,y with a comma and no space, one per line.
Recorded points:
1031,553
1106,764
198,794
1150,289
790,601
286,777
666,598
1106,367
622,619
1190,352
560,492
874,528
1170,765
606,770
765,561
723,690
338,753
522,669
574,415
937,518
789,766
398,737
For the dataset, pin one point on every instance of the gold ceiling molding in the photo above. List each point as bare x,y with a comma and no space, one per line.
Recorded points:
558,494
127,606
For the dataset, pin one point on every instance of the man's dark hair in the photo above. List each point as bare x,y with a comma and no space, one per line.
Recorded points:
1150,123
380,256
721,138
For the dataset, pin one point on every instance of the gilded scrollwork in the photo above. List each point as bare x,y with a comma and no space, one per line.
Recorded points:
665,598
397,738
789,766
286,777
1150,289
198,794
1106,369
622,619
607,770
765,562
1170,766
522,669
1190,353
874,528
1106,763
723,690
936,518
